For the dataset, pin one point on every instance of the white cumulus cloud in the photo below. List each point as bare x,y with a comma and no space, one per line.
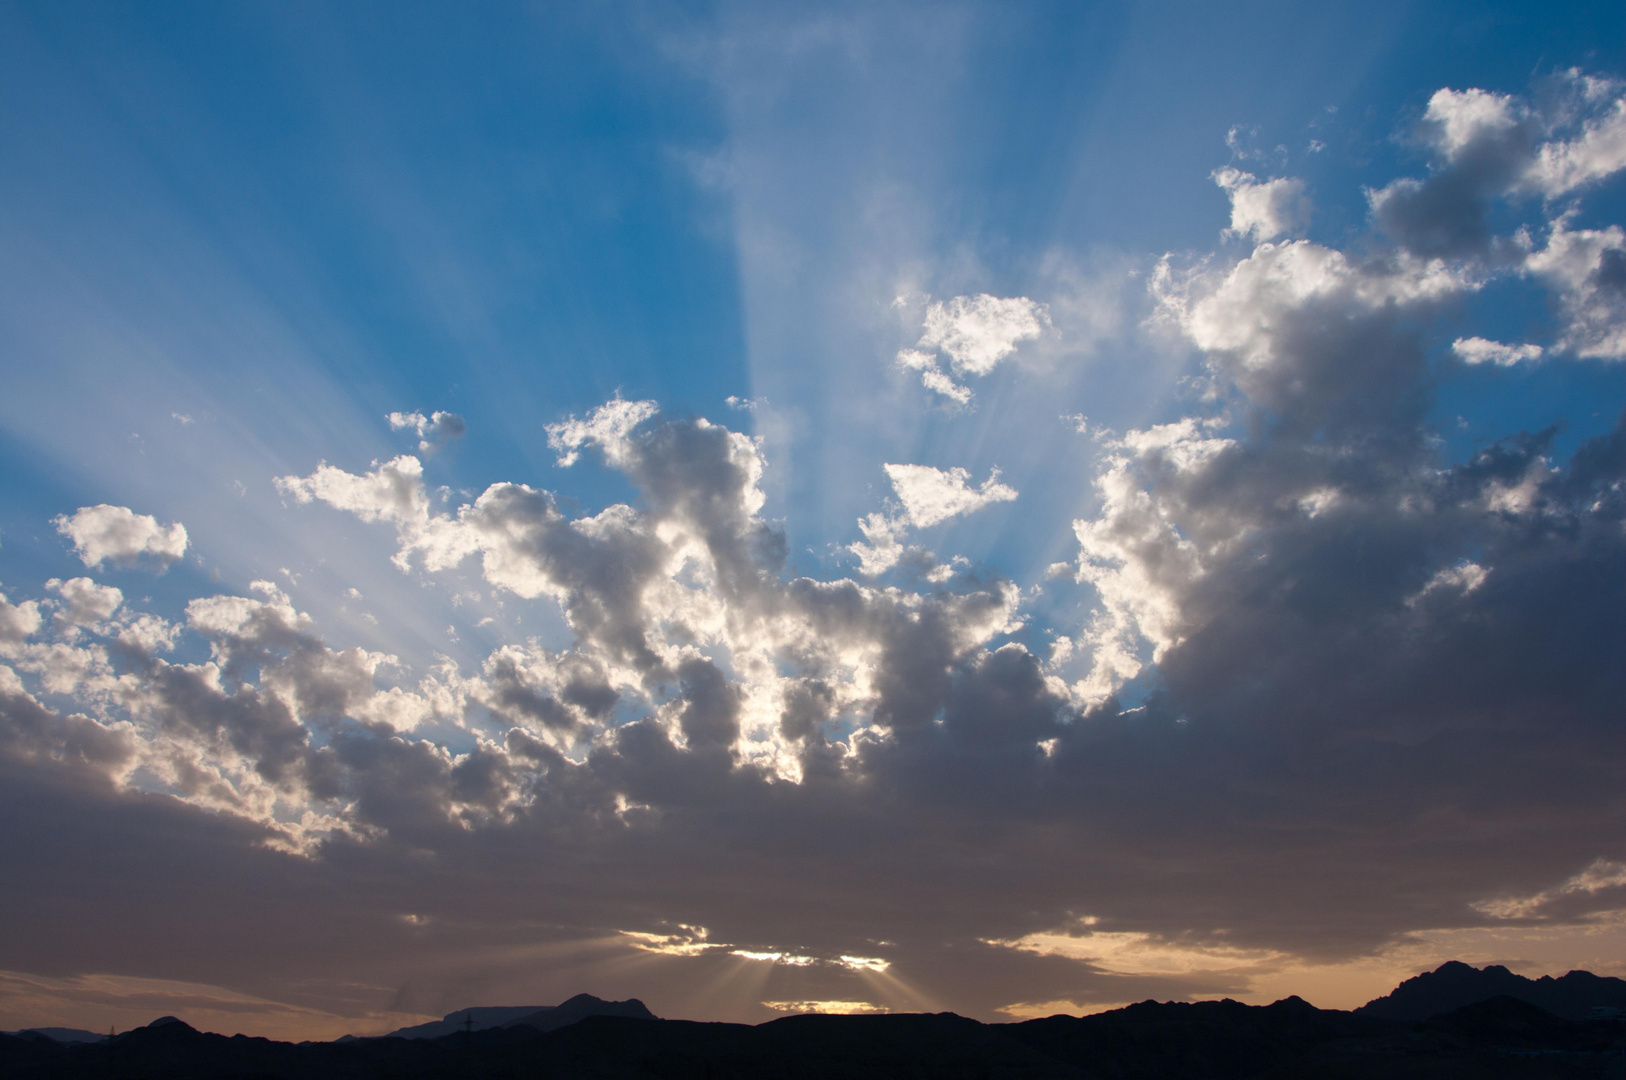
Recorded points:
930,496
1265,209
434,431
975,333
1598,151
119,535
84,603
609,426
1458,120
1587,268
1478,350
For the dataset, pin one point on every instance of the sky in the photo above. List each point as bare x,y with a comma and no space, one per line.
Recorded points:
1009,509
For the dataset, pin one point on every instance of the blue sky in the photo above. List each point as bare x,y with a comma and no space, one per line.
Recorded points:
237,239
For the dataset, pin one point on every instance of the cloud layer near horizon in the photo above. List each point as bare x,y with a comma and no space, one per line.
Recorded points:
1383,690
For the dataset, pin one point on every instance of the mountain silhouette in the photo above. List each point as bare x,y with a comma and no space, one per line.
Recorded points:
540,1017
1497,1037
61,1034
484,1017
1454,985
578,1008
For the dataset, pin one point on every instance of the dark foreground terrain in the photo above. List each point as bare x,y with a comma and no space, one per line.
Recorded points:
1502,1037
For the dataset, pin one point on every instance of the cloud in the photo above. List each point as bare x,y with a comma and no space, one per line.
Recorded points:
1482,142
882,547
1265,551
119,535
793,959
829,1008
684,941
1459,123
607,427
1140,954
1602,876
716,723
18,622
1325,359
932,377
433,431
1263,210
1488,145
931,496
975,333
1465,577
1310,335
1587,268
1597,151
392,492
84,603
1478,350
641,589
1313,653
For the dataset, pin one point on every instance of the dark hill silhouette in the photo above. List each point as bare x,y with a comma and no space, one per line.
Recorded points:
541,1017
1209,1039
1501,1037
1507,1023
1453,985
579,1008
488,1016
60,1034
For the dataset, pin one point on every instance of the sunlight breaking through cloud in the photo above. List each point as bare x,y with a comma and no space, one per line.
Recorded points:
1332,579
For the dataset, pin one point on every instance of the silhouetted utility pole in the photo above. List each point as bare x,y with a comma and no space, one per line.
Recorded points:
468,1044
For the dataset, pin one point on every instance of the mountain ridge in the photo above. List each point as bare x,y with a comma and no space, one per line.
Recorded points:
1454,985
585,1036
541,1017
1209,1040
